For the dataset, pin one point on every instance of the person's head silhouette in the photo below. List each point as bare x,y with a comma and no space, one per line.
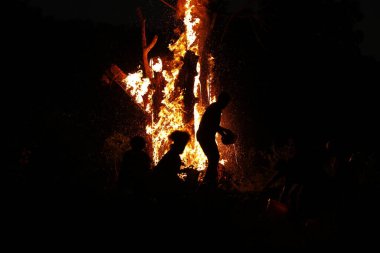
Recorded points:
180,139
223,99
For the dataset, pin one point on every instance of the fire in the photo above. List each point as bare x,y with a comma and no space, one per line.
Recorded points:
137,87
191,23
156,64
171,113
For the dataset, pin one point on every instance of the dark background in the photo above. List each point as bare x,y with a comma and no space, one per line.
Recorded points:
295,68
123,12
306,69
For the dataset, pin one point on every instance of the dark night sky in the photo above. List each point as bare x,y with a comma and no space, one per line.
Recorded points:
371,27
322,51
123,12
323,58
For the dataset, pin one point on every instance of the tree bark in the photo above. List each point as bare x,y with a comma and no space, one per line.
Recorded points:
185,81
145,47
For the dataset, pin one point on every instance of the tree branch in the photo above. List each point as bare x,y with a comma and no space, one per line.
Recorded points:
169,5
152,43
147,69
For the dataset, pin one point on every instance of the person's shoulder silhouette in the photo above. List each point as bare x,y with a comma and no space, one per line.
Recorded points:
210,121
135,165
206,133
167,169
170,163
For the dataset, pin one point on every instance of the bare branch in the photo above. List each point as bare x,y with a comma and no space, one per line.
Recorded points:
146,49
152,44
169,5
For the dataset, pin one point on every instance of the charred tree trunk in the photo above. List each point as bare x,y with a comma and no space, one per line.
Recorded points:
146,48
159,83
157,80
206,67
185,82
115,74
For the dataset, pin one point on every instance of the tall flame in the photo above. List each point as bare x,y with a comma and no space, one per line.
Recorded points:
170,117
137,87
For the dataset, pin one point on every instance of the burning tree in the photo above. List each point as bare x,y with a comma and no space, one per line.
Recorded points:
173,93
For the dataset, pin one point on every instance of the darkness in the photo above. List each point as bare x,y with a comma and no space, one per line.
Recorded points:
294,68
306,72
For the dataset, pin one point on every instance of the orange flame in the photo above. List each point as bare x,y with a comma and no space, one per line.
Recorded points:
137,87
170,117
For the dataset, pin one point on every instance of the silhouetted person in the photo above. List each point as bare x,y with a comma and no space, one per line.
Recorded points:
208,127
167,169
135,167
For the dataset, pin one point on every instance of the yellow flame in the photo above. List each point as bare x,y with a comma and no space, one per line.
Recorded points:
210,80
170,116
170,119
137,87
191,23
156,64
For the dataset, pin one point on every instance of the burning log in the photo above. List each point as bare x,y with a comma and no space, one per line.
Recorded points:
134,85
185,82
158,83
156,80
210,14
115,74
205,70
